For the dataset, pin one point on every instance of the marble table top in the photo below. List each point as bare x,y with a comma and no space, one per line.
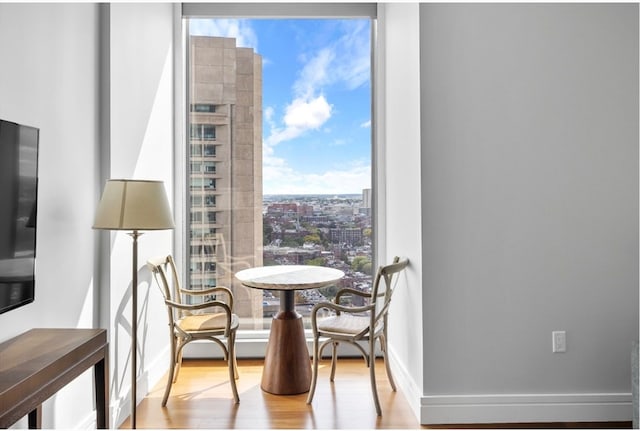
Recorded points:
289,277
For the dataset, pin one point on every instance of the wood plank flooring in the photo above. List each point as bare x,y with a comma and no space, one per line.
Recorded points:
202,399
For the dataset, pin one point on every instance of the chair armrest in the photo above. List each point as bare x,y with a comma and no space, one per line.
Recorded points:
208,304
336,307
204,292
191,307
348,290
199,292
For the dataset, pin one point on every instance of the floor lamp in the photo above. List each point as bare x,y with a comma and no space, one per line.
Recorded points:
134,205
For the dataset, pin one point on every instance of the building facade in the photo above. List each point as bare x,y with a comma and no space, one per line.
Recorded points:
225,168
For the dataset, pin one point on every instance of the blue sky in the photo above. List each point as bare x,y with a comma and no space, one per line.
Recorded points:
316,100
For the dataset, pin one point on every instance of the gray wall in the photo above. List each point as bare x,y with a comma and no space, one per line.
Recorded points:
529,143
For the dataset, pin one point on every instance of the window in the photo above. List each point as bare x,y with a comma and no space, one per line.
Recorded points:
209,167
209,150
201,183
203,132
203,107
292,148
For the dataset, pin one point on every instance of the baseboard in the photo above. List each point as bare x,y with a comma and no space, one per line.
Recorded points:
525,408
89,422
405,383
154,370
509,408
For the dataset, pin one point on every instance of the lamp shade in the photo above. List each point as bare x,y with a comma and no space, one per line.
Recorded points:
134,205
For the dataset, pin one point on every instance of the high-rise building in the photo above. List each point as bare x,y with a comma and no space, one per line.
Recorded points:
366,198
366,202
225,162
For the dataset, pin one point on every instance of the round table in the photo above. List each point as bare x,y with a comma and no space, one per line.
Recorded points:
287,367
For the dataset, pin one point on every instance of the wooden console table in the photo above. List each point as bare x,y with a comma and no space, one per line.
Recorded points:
38,363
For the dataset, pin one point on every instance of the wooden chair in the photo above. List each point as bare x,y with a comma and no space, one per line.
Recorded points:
189,320
351,324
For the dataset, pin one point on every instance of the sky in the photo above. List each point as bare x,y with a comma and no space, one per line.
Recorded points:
316,91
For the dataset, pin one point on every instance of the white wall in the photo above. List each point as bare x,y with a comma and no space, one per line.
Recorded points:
530,210
400,134
48,79
141,135
102,96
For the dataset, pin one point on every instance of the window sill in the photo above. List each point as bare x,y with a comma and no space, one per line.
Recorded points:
254,347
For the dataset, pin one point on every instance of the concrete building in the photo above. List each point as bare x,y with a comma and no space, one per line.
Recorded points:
225,162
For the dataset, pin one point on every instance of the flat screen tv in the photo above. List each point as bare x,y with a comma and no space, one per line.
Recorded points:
18,210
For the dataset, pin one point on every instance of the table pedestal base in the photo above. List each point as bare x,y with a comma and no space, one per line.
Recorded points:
287,366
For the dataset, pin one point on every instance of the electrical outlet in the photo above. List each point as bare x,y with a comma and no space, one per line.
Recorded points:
559,341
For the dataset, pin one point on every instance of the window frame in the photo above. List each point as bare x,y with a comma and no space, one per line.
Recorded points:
253,342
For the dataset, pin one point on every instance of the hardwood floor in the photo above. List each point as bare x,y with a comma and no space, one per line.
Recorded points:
202,399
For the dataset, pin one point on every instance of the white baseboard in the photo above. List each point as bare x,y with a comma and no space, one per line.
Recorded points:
154,370
509,408
89,422
405,383
525,408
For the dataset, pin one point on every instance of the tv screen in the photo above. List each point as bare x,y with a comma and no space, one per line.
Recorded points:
18,213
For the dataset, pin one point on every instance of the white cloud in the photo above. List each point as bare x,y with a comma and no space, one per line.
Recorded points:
300,116
278,178
237,28
346,61
353,60
309,114
366,124
315,74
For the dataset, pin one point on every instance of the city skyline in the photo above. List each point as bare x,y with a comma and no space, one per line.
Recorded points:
316,100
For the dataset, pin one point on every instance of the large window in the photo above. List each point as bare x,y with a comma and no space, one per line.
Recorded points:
288,103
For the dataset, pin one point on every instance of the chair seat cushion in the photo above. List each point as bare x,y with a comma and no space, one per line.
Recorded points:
207,322
346,324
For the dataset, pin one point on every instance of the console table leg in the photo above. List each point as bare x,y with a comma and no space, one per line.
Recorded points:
35,418
101,377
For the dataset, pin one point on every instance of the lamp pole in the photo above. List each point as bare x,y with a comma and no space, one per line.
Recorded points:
134,327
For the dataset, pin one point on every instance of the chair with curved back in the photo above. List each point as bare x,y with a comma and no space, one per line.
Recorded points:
352,324
211,319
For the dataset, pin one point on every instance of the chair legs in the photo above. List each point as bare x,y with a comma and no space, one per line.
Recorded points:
172,371
383,347
177,346
369,360
233,370
334,359
181,344
314,370
372,375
